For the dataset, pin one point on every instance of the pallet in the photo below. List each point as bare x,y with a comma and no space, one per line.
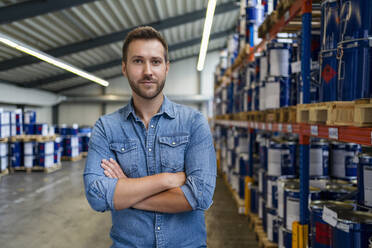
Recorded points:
4,173
51,169
28,138
17,138
253,220
271,115
242,116
287,115
4,140
261,237
20,169
72,159
84,154
363,113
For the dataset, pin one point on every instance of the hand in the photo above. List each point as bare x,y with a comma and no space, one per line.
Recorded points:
112,169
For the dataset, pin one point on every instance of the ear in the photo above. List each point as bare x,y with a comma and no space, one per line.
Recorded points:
167,67
123,68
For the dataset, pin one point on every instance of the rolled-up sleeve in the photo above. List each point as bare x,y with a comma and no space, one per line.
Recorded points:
200,166
99,189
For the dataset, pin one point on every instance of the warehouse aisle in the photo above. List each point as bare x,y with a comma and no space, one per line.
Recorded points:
50,210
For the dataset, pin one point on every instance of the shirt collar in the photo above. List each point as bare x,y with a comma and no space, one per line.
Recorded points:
166,108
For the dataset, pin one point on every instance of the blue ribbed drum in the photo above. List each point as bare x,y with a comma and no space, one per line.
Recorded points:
328,75
353,229
365,180
354,69
329,29
355,19
320,231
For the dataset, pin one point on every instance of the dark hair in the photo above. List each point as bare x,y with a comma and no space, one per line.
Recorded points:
144,33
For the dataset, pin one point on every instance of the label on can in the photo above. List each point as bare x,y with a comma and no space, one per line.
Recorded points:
316,162
270,227
367,180
314,130
323,233
293,211
329,216
342,226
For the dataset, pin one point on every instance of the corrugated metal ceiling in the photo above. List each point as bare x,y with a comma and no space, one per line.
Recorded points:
97,22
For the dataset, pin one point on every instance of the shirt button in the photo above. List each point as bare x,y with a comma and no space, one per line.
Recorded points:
122,149
149,149
152,126
158,227
173,143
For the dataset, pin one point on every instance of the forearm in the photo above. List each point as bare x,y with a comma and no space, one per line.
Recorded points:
170,201
130,191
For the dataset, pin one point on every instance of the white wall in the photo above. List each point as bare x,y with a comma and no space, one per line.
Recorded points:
81,113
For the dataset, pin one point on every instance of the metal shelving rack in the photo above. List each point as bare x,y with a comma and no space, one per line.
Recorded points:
359,135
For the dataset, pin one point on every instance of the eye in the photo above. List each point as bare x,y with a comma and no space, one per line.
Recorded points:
137,61
156,62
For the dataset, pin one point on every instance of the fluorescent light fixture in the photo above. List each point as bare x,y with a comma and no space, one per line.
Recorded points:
206,32
13,43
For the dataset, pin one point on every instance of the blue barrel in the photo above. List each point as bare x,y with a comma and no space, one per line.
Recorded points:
277,92
45,160
284,237
319,154
29,129
281,159
251,14
272,192
328,75
353,229
272,225
46,147
243,164
41,129
279,59
364,179
292,203
355,19
329,29
343,164
354,69
320,231
254,198
29,117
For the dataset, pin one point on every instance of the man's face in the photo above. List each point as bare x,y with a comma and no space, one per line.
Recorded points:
146,68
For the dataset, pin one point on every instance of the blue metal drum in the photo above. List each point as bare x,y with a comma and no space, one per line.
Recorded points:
29,117
279,59
319,154
329,29
243,164
251,14
355,19
336,191
353,230
272,225
284,237
281,159
343,164
29,129
364,177
292,203
254,198
320,231
354,73
328,75
272,192
277,92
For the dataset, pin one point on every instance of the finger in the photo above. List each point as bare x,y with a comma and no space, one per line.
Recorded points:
107,174
109,170
117,167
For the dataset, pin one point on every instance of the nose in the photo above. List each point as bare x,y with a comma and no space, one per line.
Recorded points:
148,69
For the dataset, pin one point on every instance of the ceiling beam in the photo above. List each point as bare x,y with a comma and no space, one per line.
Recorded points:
116,37
59,91
27,9
116,62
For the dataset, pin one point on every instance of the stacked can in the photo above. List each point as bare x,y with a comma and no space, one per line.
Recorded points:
4,123
3,156
16,153
29,121
84,135
364,179
45,155
30,151
70,140
16,122
57,150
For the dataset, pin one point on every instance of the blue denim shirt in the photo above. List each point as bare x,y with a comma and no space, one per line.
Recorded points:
178,139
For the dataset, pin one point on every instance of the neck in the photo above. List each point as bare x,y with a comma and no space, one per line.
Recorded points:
145,108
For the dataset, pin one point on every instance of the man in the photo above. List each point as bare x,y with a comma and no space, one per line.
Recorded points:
151,163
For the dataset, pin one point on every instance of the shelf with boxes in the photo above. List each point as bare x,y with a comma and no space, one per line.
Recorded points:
310,91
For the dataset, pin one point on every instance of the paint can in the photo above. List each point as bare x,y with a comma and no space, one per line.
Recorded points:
281,159
364,179
277,92
272,225
319,154
320,231
343,164
279,59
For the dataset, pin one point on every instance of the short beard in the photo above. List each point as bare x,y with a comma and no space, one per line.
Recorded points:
137,90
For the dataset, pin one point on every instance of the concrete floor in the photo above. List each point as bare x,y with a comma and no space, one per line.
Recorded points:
50,211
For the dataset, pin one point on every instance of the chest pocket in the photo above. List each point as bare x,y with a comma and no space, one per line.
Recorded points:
127,156
172,152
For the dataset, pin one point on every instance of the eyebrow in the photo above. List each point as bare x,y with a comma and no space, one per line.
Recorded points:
141,57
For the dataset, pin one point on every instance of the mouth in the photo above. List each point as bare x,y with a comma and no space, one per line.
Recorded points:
146,82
